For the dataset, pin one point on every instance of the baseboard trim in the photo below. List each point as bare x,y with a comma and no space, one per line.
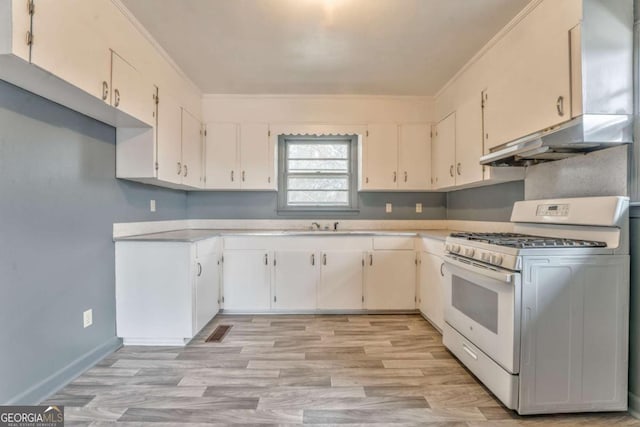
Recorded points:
634,405
64,376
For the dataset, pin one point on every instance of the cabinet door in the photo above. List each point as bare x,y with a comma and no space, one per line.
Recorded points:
66,43
191,150
432,280
532,90
207,290
221,156
130,92
18,21
443,152
414,157
256,166
390,281
296,280
380,154
469,141
341,281
169,139
246,280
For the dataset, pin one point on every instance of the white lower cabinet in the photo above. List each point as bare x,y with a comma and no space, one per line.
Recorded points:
247,280
432,285
341,280
165,291
296,280
390,280
207,289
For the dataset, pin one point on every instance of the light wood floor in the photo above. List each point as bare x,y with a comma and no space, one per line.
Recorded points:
275,370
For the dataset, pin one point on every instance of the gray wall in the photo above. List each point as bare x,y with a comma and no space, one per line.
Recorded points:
59,200
492,203
264,205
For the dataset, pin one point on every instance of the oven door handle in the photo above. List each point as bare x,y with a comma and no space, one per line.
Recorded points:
499,275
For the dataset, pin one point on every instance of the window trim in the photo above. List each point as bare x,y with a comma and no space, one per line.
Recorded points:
283,207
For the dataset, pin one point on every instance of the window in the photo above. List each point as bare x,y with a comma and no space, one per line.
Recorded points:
317,172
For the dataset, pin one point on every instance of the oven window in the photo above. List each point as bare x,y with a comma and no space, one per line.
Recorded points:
478,303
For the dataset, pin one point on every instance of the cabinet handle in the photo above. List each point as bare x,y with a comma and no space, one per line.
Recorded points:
451,171
242,176
442,269
266,259
469,352
395,176
105,90
186,171
179,168
560,105
370,259
116,102
231,176
199,269
324,259
406,176
313,259
459,168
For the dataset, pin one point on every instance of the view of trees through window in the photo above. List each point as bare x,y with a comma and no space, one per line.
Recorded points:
317,172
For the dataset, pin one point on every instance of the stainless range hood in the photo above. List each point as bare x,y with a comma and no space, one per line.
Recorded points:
601,91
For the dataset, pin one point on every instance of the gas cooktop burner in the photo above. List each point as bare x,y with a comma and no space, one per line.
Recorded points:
522,241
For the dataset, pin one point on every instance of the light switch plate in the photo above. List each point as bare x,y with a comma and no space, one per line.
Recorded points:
418,207
152,205
87,318
389,208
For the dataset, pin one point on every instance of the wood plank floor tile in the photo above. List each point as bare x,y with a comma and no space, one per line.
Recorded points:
348,370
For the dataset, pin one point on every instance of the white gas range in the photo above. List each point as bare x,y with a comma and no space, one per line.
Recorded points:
540,315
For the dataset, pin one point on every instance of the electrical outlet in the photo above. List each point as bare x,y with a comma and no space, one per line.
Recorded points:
418,207
152,205
87,318
389,208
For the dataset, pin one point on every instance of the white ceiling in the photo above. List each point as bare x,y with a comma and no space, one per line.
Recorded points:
386,47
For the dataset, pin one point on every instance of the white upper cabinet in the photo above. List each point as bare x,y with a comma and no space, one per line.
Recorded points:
169,139
191,150
239,157
414,157
15,24
396,157
443,152
131,92
380,157
221,156
67,41
256,160
531,89
468,141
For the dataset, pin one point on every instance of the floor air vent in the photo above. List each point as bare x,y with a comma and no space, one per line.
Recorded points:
219,333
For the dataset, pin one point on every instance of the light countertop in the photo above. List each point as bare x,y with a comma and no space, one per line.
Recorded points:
194,235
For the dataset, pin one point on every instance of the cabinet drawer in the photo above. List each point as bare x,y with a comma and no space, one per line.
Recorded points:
433,246
393,243
207,247
499,381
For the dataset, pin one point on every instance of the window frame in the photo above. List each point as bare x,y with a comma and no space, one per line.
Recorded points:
283,174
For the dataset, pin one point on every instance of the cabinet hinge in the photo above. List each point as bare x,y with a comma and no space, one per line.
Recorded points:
222,259
362,298
157,166
367,132
29,38
416,261
275,299
415,299
363,262
223,299
274,262
205,132
269,132
31,7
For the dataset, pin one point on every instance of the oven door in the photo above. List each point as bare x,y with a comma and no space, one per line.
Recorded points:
483,304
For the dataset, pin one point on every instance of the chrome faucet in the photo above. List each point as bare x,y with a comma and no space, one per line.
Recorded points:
316,225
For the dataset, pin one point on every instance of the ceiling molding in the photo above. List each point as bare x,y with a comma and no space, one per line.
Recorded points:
154,43
499,36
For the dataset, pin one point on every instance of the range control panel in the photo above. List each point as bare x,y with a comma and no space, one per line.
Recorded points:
553,210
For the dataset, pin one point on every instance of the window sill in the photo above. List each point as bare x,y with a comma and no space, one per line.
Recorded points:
311,210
